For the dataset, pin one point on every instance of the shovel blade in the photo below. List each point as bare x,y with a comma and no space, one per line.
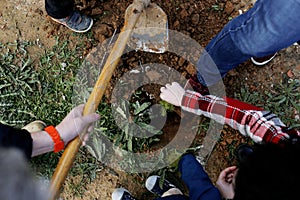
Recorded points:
150,33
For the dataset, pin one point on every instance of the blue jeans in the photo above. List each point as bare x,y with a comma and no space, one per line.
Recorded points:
196,179
270,25
199,184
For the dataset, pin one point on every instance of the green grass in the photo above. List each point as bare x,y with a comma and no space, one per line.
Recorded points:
31,90
43,90
18,81
216,7
44,93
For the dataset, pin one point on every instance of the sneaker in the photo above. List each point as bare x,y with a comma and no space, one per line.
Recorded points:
152,185
77,22
263,60
243,151
193,84
121,194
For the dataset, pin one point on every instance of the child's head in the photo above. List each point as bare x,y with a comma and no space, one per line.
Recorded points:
270,173
17,181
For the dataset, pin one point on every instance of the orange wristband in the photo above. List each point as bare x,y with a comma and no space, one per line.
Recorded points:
58,142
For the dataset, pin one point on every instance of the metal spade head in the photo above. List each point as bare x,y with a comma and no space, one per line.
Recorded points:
150,33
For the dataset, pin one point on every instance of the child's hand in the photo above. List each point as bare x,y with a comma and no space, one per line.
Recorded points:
226,182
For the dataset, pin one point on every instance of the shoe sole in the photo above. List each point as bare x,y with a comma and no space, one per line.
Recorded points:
151,181
118,193
262,63
83,31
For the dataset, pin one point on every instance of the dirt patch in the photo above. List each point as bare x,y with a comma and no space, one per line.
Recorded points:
200,20
24,20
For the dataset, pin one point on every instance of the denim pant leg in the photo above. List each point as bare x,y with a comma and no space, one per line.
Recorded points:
199,184
270,25
59,9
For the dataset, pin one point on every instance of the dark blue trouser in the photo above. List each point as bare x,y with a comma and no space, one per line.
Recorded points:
59,8
199,184
173,197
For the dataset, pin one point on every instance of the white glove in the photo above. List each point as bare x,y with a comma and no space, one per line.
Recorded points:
172,94
74,123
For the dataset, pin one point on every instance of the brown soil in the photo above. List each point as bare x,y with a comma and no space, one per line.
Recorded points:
27,20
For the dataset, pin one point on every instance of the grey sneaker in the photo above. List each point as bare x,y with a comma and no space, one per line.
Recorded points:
77,22
121,194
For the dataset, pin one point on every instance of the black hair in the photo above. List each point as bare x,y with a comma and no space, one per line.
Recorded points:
271,172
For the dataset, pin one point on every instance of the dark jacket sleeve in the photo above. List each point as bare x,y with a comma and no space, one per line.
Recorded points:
18,138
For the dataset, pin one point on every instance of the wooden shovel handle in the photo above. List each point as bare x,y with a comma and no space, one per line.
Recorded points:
91,105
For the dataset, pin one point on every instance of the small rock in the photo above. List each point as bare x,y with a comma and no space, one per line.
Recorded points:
191,69
229,7
130,60
181,61
96,11
183,13
228,140
102,31
290,74
232,73
175,59
195,19
176,24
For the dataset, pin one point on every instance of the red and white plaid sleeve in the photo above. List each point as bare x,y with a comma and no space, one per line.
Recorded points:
260,125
